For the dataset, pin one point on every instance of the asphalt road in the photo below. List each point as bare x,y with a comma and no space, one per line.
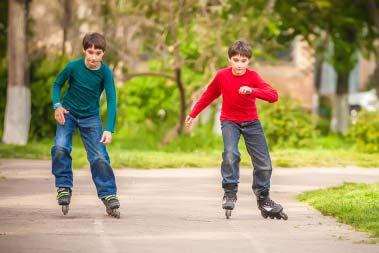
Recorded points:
170,210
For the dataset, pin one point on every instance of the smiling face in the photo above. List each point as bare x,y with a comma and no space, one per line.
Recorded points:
93,57
239,64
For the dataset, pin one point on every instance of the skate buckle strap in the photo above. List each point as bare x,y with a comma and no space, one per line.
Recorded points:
62,194
110,197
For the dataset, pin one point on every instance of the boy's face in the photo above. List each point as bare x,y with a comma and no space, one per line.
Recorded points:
93,57
239,64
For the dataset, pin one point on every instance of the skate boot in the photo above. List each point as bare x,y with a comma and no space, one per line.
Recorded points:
64,198
270,209
112,205
228,203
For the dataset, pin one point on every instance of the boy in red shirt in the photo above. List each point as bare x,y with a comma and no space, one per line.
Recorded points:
240,87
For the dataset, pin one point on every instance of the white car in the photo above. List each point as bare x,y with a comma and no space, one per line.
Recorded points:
367,100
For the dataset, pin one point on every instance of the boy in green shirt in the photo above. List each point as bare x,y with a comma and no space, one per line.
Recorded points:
79,108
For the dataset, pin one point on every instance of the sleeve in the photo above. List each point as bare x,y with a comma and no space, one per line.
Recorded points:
263,90
212,92
110,92
58,83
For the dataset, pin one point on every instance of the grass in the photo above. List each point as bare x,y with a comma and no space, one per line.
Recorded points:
324,153
323,158
351,203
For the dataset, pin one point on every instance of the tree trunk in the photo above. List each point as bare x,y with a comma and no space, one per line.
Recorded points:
316,92
17,112
374,13
66,22
182,94
340,111
176,20
375,75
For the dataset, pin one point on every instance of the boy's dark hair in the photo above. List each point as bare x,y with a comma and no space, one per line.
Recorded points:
96,40
240,47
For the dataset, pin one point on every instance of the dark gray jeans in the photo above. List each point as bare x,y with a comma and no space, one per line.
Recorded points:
256,145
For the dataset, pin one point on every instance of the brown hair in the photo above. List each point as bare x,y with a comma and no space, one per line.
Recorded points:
240,47
96,40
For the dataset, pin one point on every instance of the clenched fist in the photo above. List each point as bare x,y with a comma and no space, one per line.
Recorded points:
245,90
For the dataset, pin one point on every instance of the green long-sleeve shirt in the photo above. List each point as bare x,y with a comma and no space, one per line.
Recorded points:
85,88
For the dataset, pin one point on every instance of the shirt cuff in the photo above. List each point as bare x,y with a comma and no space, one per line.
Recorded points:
56,105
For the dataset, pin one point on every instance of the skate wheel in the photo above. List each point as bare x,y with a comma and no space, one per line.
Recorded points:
115,213
65,209
283,216
264,215
228,213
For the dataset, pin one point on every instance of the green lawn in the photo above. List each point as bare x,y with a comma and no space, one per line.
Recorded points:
127,157
351,203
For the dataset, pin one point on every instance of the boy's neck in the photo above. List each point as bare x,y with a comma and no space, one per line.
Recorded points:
92,67
238,74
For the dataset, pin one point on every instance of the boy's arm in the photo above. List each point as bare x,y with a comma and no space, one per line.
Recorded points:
110,92
263,90
58,83
212,92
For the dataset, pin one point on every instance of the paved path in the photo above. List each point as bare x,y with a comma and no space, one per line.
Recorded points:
171,210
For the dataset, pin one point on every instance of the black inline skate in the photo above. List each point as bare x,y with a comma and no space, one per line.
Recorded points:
112,205
270,209
64,198
228,203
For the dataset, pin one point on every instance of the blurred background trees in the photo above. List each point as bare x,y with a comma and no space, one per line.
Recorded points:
164,53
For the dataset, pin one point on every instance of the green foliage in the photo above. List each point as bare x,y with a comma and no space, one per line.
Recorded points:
351,203
365,132
349,27
331,142
201,138
133,153
150,102
287,124
43,73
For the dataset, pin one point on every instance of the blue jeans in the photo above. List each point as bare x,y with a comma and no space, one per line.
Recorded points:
90,131
257,148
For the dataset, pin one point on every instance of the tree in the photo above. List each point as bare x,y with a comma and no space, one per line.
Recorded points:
66,21
17,113
171,22
373,6
183,35
346,26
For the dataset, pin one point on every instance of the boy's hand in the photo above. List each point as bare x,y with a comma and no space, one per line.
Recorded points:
245,90
188,121
59,114
106,138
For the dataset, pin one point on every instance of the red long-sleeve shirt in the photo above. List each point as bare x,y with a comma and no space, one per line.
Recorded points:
236,107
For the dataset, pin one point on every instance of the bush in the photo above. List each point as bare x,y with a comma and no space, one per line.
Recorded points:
365,132
151,101
286,123
202,138
43,74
